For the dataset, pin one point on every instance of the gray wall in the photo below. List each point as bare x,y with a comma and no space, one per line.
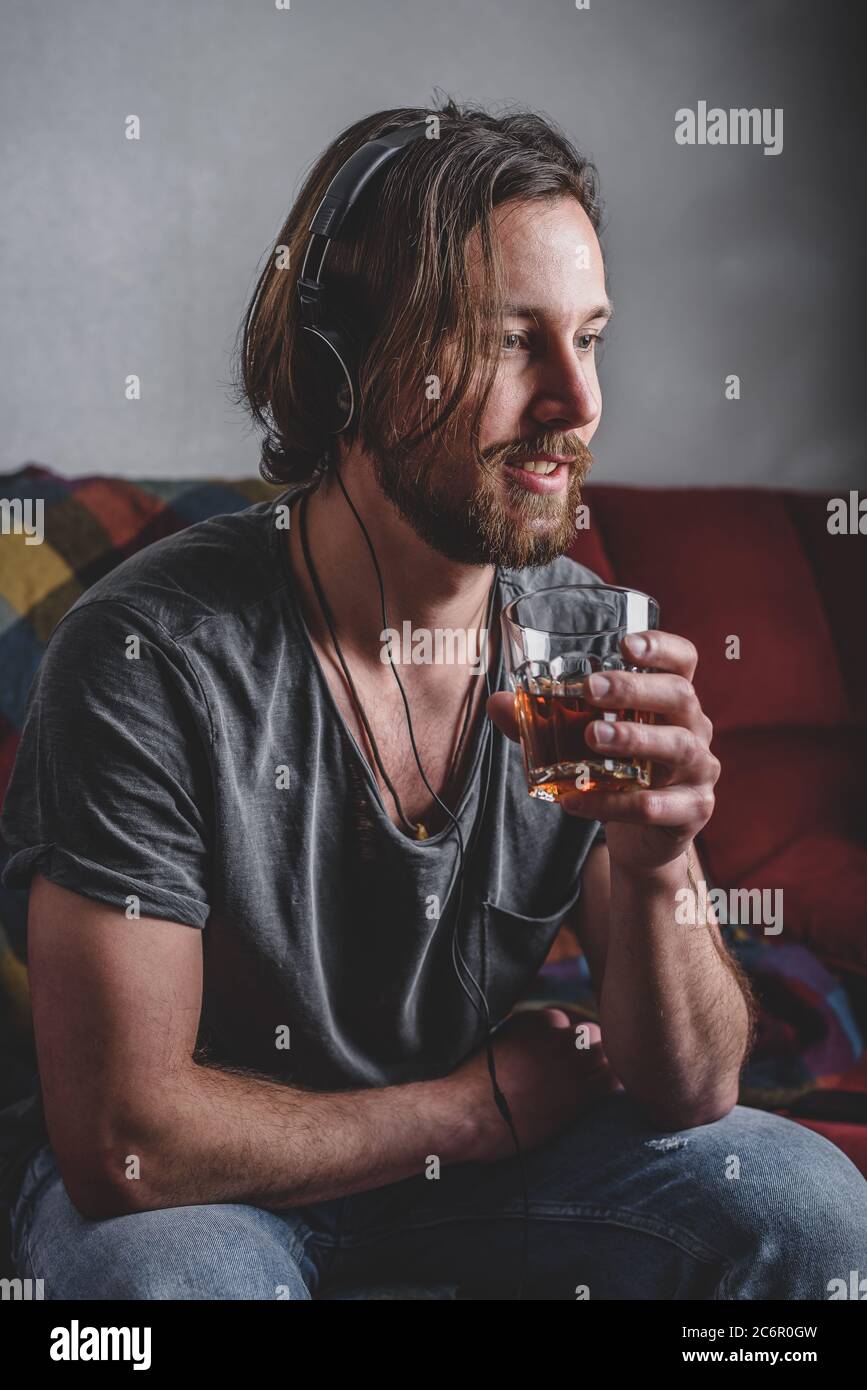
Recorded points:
122,257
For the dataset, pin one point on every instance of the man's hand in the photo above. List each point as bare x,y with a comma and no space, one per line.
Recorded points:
646,829
545,1078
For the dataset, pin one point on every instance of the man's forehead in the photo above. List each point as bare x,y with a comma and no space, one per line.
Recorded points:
549,249
546,218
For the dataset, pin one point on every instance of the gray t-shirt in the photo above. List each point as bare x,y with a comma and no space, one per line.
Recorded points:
183,756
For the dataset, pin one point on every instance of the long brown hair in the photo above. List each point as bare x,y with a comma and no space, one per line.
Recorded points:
399,280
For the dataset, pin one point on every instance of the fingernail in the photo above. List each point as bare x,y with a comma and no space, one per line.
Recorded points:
637,644
598,685
602,732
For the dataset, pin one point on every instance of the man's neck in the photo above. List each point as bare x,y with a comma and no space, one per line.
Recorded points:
421,586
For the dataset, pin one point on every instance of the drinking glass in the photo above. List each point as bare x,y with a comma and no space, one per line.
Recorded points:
554,639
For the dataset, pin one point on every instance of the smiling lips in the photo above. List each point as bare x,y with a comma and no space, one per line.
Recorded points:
545,474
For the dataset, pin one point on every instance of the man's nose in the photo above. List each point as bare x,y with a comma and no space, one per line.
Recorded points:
567,392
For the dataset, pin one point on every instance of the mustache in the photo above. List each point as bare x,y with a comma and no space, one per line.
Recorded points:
574,450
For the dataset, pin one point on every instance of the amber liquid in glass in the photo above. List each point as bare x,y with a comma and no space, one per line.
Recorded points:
552,728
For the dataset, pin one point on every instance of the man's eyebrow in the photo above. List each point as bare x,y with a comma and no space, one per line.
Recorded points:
530,311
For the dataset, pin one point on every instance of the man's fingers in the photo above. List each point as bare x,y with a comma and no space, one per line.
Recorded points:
558,1018
663,651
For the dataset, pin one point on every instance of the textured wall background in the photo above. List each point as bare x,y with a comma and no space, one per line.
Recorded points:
121,256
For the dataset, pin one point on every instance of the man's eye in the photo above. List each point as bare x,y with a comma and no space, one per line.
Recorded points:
513,341
589,340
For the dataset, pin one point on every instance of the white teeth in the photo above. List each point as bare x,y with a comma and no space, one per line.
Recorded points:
539,466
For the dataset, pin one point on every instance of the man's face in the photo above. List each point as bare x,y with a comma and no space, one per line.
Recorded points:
545,400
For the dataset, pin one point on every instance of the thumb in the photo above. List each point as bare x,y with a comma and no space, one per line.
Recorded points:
501,711
557,1018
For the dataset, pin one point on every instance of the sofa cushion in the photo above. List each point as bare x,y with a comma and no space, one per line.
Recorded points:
780,785
823,878
731,561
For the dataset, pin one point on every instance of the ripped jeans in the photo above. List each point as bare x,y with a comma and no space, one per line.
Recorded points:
751,1206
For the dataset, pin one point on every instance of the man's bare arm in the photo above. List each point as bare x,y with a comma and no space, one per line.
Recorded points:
627,995
678,1012
116,1007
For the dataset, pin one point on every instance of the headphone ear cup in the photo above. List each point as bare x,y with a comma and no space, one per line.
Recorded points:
335,396
345,402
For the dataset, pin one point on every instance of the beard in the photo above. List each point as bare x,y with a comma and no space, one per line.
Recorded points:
495,521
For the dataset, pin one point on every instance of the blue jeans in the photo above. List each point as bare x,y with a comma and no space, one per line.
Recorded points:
752,1206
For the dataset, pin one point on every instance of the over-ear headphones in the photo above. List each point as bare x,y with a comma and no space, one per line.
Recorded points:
343,191
344,357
